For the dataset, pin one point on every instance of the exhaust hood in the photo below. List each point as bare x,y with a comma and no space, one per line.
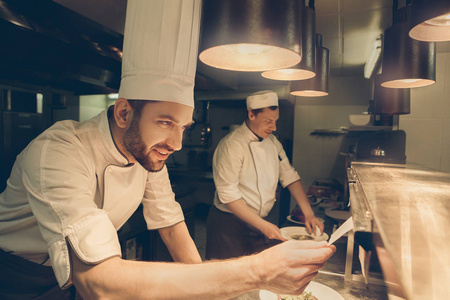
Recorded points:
45,44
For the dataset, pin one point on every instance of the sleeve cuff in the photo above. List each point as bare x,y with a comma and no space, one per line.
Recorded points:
162,213
93,240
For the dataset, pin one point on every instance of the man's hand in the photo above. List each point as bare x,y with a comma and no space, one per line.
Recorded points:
288,267
311,222
271,231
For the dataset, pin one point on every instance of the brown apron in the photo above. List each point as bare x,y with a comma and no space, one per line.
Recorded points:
228,236
24,279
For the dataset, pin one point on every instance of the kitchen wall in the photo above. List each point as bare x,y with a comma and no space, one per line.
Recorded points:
92,105
318,156
428,126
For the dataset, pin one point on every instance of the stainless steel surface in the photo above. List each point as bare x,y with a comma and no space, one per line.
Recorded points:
362,217
411,210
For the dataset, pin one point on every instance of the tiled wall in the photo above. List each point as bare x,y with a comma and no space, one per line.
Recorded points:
316,156
428,126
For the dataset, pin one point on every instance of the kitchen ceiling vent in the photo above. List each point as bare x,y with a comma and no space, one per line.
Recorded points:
47,45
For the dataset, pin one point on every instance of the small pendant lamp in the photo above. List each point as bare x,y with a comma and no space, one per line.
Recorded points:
430,20
306,68
407,63
390,101
318,85
251,35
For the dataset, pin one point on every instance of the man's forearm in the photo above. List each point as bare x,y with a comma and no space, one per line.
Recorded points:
285,268
180,244
298,192
240,209
155,280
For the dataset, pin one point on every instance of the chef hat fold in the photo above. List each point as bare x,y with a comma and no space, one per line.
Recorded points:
160,50
262,99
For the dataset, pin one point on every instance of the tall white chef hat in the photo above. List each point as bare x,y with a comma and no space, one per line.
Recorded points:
262,99
160,50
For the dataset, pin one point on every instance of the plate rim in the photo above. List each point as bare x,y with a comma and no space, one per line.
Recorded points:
313,283
324,234
327,213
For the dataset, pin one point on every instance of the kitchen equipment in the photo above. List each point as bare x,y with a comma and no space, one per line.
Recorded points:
382,146
400,213
390,101
377,152
199,134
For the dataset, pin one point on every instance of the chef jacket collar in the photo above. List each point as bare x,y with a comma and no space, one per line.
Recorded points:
117,157
253,137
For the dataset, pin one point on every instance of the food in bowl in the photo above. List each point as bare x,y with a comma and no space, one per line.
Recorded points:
303,296
301,237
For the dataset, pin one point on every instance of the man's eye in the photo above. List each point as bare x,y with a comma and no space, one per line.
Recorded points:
164,124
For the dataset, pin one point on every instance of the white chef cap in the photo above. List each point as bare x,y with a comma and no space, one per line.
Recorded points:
160,50
262,99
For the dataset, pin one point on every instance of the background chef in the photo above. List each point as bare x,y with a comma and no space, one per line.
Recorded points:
247,165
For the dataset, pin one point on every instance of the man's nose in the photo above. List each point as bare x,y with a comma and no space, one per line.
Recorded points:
175,139
273,127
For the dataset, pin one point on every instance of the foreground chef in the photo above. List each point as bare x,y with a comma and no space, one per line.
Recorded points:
76,184
247,165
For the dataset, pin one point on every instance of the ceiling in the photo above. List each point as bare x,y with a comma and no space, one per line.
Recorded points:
349,29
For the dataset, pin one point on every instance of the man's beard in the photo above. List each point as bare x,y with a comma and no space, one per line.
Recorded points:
134,144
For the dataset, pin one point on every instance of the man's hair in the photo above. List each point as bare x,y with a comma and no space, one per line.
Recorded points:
137,106
258,110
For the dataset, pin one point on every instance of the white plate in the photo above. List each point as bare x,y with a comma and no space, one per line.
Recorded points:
340,215
318,290
287,232
291,219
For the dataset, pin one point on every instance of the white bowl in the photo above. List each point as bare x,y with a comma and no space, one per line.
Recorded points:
289,233
360,120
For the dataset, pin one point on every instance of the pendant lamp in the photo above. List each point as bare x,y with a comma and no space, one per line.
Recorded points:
251,35
318,85
430,20
306,68
390,101
407,63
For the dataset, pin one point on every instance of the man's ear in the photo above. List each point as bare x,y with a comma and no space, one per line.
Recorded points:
251,114
123,112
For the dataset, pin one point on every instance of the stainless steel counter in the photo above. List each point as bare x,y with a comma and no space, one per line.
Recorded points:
410,209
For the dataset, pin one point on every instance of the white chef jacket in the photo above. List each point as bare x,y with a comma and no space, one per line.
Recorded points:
245,167
71,184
